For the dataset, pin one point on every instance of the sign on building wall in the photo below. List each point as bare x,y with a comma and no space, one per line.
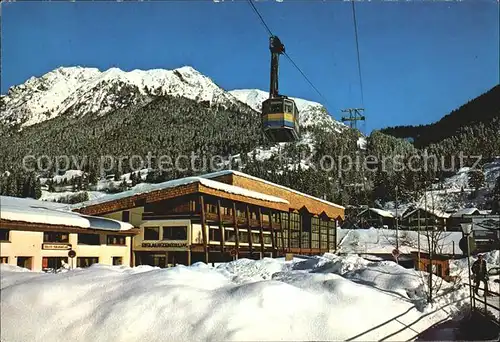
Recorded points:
164,244
487,222
56,246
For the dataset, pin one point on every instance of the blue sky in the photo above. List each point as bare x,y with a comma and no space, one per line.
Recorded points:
419,59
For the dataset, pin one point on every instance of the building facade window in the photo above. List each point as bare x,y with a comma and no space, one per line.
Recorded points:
295,228
332,231
116,240
4,260
55,237
126,216
315,227
243,237
53,262
227,211
284,228
151,233
25,262
267,239
117,261
214,234
174,233
279,241
255,238
229,235
4,235
211,208
324,234
240,212
86,261
88,239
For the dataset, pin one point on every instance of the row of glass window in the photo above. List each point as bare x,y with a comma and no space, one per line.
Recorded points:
83,238
168,233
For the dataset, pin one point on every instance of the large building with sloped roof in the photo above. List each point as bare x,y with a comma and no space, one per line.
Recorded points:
219,217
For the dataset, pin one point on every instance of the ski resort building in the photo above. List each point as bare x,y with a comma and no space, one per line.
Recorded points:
40,235
219,217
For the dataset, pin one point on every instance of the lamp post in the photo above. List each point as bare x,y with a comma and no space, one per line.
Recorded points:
397,225
467,229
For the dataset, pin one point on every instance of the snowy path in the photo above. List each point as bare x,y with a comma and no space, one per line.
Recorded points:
493,302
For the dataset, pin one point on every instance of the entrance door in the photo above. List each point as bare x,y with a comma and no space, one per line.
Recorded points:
151,259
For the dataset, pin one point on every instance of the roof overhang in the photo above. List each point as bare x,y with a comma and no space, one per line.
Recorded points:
170,193
42,227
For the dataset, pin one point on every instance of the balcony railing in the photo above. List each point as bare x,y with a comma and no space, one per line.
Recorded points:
213,217
153,216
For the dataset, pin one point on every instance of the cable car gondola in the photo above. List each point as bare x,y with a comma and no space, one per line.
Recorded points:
280,116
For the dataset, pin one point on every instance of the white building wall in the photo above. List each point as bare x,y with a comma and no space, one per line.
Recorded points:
29,244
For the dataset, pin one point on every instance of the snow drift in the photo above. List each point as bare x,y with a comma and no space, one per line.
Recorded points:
269,299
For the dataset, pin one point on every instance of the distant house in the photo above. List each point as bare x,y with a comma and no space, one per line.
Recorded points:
486,232
458,217
427,217
377,218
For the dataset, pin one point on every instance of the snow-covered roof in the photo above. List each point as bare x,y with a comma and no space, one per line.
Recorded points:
144,188
34,211
383,213
438,213
238,173
465,211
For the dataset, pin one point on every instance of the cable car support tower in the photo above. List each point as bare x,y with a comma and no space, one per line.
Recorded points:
355,115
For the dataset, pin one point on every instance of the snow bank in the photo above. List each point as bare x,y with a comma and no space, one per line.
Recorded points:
267,300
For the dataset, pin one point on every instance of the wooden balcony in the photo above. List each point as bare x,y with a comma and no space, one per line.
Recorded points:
213,218
154,216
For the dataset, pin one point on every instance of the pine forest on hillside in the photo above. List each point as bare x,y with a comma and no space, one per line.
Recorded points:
162,124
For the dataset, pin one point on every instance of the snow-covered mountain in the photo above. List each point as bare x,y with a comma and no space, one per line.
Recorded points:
311,113
79,91
82,91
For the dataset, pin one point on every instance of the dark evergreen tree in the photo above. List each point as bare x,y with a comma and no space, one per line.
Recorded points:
496,197
476,179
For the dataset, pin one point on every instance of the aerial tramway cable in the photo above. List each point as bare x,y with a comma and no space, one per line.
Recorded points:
357,51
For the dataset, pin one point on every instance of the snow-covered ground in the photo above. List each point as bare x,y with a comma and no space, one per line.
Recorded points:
491,172
65,195
383,241
320,298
